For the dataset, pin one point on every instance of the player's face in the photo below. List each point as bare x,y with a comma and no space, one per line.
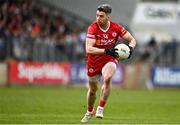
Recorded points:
102,18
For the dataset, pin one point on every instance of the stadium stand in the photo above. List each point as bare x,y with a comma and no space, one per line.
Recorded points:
40,31
32,31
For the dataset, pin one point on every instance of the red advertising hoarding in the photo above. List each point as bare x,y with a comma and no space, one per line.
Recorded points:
37,72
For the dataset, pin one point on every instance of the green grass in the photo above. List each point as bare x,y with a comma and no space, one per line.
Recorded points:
67,105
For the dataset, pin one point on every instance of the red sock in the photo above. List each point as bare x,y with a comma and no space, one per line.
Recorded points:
102,103
90,109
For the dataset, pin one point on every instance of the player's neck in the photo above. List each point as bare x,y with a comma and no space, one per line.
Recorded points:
105,27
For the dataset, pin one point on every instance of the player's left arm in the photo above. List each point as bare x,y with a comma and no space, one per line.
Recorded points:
131,40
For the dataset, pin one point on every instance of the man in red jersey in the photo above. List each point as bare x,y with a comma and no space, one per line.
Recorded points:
102,36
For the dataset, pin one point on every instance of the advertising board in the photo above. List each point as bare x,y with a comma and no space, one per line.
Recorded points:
41,73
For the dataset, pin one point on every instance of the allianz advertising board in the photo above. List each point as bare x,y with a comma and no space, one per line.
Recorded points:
166,76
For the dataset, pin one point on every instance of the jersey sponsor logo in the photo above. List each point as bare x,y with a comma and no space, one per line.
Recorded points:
107,41
98,42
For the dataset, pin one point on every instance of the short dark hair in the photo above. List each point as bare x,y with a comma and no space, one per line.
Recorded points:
105,8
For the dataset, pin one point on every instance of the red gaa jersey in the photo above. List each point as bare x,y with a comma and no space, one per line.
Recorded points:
104,39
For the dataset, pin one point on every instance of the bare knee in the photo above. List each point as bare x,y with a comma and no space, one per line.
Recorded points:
108,72
107,79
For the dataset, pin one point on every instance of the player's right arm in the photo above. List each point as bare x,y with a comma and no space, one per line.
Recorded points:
91,41
90,49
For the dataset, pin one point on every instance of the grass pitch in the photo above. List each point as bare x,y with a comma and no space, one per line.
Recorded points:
67,105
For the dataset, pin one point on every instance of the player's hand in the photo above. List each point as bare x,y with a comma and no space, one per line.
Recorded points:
112,52
130,52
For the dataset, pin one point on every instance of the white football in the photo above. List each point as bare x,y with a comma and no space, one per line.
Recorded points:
123,51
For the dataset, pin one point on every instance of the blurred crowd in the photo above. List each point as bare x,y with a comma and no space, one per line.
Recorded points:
163,53
31,31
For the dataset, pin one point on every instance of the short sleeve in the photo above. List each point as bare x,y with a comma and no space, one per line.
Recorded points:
90,33
122,30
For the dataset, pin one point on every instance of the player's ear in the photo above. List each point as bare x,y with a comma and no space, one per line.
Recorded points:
108,16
